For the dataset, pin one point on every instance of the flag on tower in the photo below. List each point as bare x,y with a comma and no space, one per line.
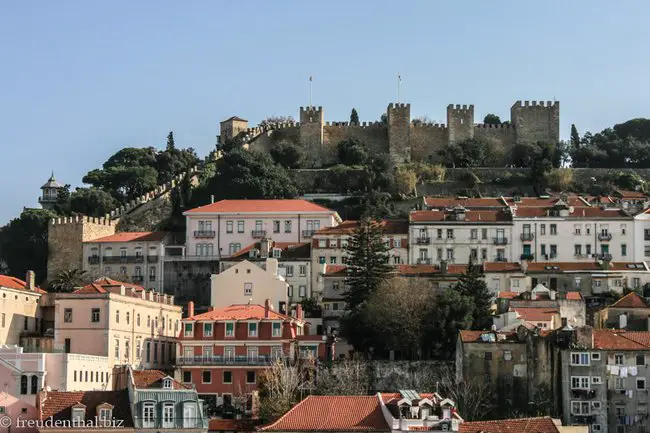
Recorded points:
399,77
311,78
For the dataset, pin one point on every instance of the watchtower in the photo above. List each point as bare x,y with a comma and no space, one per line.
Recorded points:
460,122
50,193
399,132
536,121
231,127
311,126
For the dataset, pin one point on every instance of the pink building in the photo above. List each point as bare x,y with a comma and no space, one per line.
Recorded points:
20,413
223,228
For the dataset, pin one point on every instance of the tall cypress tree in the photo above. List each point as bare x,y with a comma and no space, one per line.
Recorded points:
354,117
575,137
170,141
367,264
473,286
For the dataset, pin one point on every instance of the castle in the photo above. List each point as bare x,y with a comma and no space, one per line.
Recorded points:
400,137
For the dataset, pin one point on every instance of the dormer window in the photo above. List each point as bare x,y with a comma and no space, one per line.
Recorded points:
104,412
78,413
168,384
277,252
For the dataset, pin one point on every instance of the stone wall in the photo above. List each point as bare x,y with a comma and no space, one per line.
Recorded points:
427,140
390,376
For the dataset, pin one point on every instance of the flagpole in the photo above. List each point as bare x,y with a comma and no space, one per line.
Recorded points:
398,80
310,81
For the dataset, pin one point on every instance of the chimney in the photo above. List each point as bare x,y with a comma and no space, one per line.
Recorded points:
265,248
267,308
444,267
30,281
210,308
552,295
190,309
622,321
212,198
272,266
299,313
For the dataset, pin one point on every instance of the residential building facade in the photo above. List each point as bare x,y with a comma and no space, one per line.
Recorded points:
631,312
19,312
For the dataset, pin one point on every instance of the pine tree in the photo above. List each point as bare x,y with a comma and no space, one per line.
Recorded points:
354,117
473,286
170,141
367,266
575,137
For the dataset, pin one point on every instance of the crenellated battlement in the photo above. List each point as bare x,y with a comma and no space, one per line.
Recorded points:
83,219
311,109
490,126
354,125
460,108
422,125
398,105
538,104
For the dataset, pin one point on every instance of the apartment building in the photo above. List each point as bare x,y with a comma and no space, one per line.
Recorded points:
642,236
604,379
631,312
19,312
121,321
223,352
221,229
454,235
294,264
128,256
328,245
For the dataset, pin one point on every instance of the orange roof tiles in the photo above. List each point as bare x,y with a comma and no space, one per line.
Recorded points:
578,212
507,295
572,200
131,237
255,206
239,312
348,226
448,202
146,379
631,300
100,285
281,245
15,283
58,405
335,269
626,194
608,339
520,425
573,296
333,414
474,216
641,337
430,269
501,267
536,314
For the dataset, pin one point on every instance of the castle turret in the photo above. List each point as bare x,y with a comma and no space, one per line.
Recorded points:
399,132
311,127
231,127
536,121
50,193
460,122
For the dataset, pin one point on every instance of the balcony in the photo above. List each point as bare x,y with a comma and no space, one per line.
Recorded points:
604,237
137,278
111,260
424,261
423,241
258,233
527,236
227,360
500,259
153,259
500,241
93,260
204,234
583,393
604,256
308,233
527,257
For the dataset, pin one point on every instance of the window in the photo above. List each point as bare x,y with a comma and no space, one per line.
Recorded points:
515,282
276,352
252,329
148,351
646,250
595,405
596,380
322,243
168,415
333,243
78,414
595,356
397,243
148,415
287,226
187,377
94,315
596,428
138,346
289,270
507,355
277,252
553,251
542,229
484,233
302,291
227,377
127,349
553,229
207,329
152,273
128,318
117,316
189,415
105,414
206,376
67,316
188,330
397,260
579,358
276,226
155,351
240,226
303,270
640,383
277,329
488,356
619,383
588,249
483,253
450,233
34,384
623,250
333,260
640,359
248,289
577,228
450,254
579,382
290,290
230,329
577,250
473,234
580,408
117,348
439,233
23,385
250,377
618,359
474,253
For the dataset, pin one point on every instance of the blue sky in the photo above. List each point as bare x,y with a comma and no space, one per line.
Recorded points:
82,79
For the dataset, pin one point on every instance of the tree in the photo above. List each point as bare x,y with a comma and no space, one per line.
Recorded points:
473,286
405,180
170,142
492,119
352,152
280,388
349,376
472,152
560,178
451,312
575,137
286,154
473,396
92,202
23,243
67,281
354,117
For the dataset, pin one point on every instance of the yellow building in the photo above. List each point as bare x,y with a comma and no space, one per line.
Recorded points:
19,312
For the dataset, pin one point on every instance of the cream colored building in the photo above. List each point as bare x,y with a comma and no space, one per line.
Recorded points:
121,321
453,235
128,256
222,229
247,282
19,312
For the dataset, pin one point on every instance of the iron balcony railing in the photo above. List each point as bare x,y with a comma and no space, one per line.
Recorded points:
527,236
228,360
204,233
604,256
109,260
308,233
258,233
153,259
500,259
423,241
604,237
424,261
138,278
500,241
93,260
527,257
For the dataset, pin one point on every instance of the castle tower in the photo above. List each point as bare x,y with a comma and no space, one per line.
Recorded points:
311,127
65,238
50,193
229,128
399,132
460,122
536,121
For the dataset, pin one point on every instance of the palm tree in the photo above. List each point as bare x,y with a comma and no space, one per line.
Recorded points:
66,281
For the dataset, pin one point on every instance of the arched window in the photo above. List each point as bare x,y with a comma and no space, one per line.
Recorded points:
23,385
34,387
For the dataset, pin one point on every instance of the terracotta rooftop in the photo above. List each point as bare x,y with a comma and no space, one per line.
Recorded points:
534,314
508,295
430,269
16,284
572,200
335,270
152,379
258,206
58,405
501,267
468,336
573,296
100,286
635,195
239,312
131,237
608,339
288,250
578,212
521,425
475,216
348,226
333,414
469,203
631,300
235,118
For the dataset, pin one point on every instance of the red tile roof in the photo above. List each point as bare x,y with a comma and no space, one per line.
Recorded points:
152,379
626,194
131,237
16,284
508,295
578,212
58,405
256,206
474,216
584,266
430,269
468,203
536,314
469,336
100,286
501,267
572,200
521,425
284,246
641,337
239,312
573,296
333,414
631,300
608,339
347,227
335,270
233,425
